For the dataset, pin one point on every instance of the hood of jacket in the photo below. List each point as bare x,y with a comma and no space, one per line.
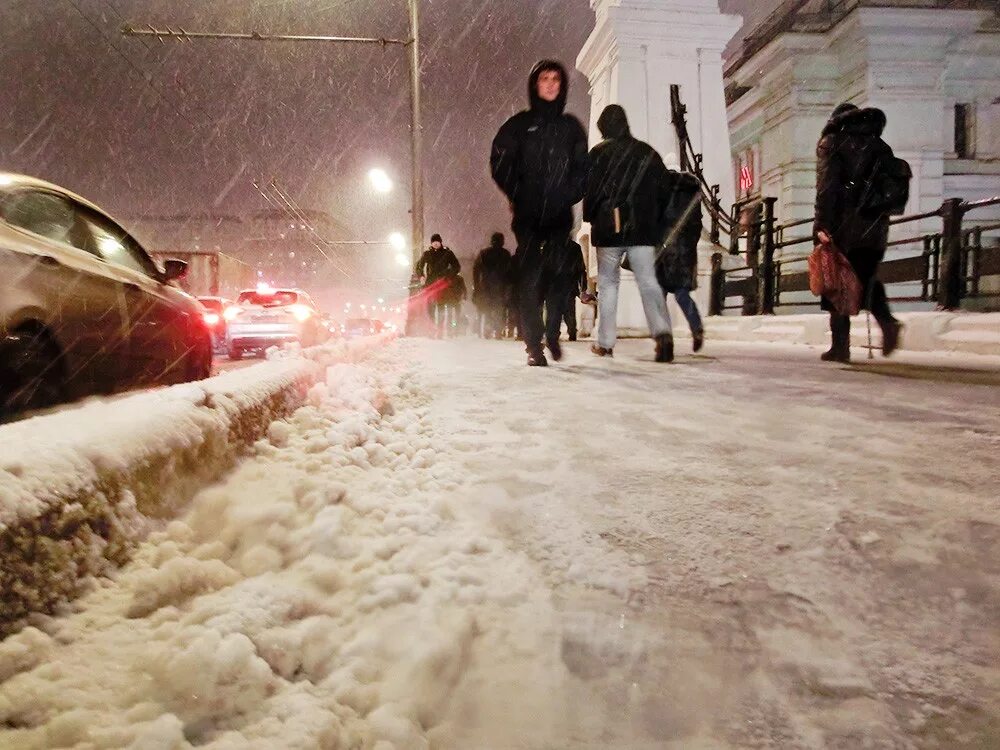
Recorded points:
853,121
613,122
551,109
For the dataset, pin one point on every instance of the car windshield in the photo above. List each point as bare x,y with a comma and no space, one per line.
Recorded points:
268,299
215,305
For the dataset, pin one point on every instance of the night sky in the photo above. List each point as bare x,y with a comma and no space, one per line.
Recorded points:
148,128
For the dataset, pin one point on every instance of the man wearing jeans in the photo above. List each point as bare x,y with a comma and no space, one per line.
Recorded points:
628,194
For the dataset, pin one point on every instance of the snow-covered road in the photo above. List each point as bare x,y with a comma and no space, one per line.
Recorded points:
446,549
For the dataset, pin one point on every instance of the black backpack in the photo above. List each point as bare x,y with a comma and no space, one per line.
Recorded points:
887,188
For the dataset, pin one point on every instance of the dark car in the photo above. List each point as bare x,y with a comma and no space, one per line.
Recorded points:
83,307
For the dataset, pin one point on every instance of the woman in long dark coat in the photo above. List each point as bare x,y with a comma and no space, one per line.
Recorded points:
847,152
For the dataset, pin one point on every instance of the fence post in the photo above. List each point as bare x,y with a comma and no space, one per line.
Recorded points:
767,267
716,211
950,282
751,302
975,271
716,286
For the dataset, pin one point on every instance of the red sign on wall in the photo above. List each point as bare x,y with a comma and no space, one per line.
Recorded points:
746,178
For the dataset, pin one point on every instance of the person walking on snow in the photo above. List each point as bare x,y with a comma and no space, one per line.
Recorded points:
437,268
628,194
539,161
491,281
571,279
850,154
677,264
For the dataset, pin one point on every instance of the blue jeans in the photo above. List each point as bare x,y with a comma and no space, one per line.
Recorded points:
689,308
654,304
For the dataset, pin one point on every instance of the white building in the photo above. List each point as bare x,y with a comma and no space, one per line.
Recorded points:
933,66
637,50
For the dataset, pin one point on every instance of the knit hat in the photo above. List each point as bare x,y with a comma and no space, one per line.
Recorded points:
437,238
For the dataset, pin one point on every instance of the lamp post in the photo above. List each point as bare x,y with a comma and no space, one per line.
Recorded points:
416,124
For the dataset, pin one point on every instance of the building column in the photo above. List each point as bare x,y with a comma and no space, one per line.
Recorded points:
638,49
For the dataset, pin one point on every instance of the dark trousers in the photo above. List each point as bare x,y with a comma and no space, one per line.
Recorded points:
538,261
687,305
569,314
875,301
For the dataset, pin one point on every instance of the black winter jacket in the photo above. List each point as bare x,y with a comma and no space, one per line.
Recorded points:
539,160
492,275
846,154
628,175
437,264
677,265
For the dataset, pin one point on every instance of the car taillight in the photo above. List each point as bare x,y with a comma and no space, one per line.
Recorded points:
212,319
231,312
301,312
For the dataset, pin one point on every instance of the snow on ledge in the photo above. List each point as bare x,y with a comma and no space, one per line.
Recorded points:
78,487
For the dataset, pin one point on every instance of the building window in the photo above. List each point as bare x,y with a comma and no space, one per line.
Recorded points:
964,131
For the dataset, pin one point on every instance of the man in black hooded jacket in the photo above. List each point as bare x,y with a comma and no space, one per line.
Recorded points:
539,161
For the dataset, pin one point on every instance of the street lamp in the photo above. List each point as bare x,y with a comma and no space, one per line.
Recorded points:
380,180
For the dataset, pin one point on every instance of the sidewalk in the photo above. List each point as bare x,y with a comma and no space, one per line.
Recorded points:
961,332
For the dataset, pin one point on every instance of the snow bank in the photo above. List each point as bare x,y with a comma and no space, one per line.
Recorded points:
79,486
329,592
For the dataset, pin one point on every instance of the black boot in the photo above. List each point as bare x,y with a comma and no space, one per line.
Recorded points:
537,359
891,329
665,347
555,349
840,335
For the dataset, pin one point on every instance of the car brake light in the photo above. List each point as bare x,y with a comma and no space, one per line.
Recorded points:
301,312
212,318
231,312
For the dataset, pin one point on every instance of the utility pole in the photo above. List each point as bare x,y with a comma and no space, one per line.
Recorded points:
416,124
416,132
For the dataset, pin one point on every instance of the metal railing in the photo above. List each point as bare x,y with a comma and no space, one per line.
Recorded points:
946,266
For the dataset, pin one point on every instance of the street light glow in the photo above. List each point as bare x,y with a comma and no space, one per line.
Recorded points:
380,180
402,260
398,241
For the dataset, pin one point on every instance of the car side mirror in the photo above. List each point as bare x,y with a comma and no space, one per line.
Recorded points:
174,269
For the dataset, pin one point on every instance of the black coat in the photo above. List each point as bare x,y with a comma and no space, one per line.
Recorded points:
571,273
539,161
437,264
677,264
847,152
492,276
628,175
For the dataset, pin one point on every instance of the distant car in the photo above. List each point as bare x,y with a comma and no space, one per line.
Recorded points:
83,307
215,319
262,318
334,330
361,327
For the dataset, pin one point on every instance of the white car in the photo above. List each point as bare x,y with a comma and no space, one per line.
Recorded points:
263,317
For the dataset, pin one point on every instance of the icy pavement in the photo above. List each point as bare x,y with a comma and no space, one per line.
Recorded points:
447,549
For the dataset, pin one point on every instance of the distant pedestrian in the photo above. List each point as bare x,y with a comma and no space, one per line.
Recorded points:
677,262
437,268
628,193
539,161
859,182
571,282
491,283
